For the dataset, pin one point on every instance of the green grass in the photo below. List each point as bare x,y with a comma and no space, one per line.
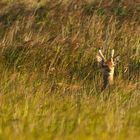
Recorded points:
49,79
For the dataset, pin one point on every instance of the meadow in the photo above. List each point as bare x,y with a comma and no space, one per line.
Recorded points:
49,78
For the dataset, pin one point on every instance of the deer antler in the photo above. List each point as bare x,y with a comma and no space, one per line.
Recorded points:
101,54
112,53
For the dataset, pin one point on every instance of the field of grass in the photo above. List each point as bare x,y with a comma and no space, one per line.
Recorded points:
49,78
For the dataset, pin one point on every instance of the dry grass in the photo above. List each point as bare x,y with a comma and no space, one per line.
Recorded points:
50,83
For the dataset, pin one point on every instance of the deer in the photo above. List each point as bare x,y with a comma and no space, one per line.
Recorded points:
107,67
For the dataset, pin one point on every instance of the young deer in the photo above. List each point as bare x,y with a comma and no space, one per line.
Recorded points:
107,67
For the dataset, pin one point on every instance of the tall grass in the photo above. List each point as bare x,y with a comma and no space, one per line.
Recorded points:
50,83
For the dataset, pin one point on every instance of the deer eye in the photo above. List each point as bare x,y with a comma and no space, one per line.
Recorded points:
104,65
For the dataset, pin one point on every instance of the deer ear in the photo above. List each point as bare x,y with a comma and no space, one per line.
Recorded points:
99,58
117,60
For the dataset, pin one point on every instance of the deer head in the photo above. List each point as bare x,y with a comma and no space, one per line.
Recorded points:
107,67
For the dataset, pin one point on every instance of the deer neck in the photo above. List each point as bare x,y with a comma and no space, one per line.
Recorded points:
108,78
111,77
